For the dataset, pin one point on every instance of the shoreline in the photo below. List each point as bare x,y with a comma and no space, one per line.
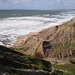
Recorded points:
21,39
17,27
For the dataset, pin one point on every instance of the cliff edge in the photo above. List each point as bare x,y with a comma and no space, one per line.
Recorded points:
57,42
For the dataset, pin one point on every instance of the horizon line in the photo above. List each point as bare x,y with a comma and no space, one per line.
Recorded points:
37,9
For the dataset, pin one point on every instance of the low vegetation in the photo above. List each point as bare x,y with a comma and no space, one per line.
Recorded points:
67,69
12,60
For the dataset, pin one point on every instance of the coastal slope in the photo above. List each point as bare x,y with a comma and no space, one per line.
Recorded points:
57,42
15,63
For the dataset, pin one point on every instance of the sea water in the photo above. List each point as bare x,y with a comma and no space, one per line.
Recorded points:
15,23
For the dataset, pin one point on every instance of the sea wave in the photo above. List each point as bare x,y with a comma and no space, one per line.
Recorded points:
12,27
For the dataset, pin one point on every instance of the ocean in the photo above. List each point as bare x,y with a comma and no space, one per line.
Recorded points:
15,23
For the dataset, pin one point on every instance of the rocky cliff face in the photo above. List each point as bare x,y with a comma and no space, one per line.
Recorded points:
58,41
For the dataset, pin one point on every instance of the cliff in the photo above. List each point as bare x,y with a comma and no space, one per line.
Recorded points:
57,42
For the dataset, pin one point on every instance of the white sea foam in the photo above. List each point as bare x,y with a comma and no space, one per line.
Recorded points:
1,43
12,27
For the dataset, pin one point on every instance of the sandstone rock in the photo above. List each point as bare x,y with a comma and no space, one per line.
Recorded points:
57,41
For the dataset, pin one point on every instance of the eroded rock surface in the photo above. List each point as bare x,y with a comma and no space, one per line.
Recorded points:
58,41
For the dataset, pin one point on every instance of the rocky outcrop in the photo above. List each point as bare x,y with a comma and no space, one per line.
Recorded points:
34,46
58,41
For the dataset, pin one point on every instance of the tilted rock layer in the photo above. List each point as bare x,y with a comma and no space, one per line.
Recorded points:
58,41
